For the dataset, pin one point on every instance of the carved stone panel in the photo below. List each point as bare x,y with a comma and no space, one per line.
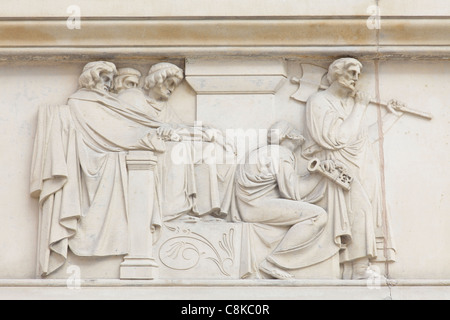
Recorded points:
209,250
239,194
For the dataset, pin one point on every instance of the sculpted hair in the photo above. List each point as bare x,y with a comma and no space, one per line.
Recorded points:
159,72
338,67
282,130
122,75
91,73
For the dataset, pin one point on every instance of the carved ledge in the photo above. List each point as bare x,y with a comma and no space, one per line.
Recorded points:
237,76
226,289
141,160
402,36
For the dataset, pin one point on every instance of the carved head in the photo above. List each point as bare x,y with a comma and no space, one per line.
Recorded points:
162,80
284,133
345,71
98,75
127,78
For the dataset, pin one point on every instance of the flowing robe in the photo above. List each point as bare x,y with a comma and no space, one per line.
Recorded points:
355,216
189,182
159,111
79,175
277,204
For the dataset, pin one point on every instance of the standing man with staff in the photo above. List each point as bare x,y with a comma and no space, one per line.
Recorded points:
335,130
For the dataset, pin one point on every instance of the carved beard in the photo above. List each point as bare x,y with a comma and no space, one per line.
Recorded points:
162,93
103,87
348,83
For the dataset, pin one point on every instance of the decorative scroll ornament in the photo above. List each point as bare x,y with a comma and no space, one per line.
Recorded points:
186,249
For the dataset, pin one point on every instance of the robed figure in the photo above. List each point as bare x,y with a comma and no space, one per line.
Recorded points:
190,182
284,228
79,170
336,130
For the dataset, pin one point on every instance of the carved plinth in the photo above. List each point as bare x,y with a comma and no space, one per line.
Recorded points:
138,268
139,263
221,250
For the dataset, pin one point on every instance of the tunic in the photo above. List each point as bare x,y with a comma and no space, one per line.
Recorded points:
356,215
271,197
79,175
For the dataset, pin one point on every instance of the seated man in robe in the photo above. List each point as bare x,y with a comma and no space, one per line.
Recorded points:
189,185
270,192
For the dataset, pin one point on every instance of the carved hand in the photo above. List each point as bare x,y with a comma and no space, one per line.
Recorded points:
396,107
362,98
328,165
167,132
341,166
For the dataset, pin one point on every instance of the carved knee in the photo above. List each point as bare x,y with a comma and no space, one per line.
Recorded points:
321,219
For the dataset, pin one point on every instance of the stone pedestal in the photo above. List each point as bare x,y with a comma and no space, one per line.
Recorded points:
139,263
236,93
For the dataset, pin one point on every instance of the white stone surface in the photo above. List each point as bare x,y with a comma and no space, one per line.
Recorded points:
211,250
41,59
418,8
419,219
223,290
23,90
172,8
407,142
139,262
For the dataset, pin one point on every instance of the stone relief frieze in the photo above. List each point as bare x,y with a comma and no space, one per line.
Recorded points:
185,249
117,173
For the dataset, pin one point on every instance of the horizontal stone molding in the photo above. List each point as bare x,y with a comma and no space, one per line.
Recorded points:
225,289
238,76
179,37
222,283
141,160
224,32
69,54
236,84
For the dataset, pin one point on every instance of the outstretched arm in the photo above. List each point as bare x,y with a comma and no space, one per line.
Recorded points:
387,122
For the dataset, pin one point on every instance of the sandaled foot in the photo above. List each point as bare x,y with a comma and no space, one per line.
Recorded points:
274,271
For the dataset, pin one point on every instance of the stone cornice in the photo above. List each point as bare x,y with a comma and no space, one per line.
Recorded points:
414,37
